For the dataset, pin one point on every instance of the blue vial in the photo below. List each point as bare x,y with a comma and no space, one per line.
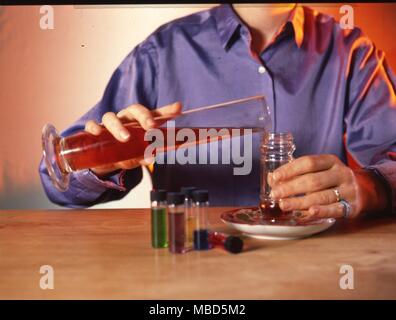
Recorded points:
201,232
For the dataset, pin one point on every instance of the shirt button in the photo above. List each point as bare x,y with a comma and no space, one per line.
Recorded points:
261,69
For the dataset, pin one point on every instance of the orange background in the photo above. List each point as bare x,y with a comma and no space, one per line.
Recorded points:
57,75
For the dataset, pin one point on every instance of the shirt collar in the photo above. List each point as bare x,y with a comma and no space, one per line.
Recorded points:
227,22
297,20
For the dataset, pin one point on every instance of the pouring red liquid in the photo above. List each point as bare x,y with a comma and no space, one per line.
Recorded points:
82,150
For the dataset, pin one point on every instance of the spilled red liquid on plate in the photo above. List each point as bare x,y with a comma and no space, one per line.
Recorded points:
254,216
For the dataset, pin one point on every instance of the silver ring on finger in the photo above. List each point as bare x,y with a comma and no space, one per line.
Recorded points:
346,210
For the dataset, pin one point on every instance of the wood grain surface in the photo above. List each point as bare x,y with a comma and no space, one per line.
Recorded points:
107,254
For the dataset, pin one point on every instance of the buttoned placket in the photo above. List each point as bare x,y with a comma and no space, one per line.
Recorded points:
268,87
264,76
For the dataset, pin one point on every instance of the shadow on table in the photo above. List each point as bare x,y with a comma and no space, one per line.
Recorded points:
342,227
255,244
251,244
366,222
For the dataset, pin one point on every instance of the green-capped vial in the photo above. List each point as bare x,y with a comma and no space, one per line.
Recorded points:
159,237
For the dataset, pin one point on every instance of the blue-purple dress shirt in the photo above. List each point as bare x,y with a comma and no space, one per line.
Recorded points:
320,82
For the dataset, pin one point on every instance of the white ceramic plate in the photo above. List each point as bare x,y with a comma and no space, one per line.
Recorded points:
246,220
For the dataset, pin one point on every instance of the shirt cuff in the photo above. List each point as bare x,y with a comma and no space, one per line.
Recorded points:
386,172
93,182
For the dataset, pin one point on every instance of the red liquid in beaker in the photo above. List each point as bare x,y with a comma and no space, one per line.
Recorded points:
84,150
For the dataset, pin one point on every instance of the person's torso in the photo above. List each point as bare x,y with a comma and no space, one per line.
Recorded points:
305,88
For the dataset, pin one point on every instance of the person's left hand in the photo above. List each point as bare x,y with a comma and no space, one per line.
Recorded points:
307,184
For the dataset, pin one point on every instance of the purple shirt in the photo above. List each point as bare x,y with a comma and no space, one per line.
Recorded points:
320,82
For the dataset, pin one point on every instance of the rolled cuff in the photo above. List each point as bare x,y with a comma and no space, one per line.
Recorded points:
386,171
91,181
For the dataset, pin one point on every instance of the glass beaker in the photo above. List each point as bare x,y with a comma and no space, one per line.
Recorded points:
82,150
276,150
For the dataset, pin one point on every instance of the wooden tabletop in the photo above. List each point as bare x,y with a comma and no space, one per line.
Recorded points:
107,254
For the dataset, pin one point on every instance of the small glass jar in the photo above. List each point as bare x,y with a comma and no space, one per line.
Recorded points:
276,150
159,237
201,232
176,222
190,215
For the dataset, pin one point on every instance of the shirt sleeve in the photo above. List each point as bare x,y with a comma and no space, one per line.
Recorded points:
371,113
134,81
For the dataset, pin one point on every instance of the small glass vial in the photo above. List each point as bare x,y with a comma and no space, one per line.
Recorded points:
201,232
190,215
176,222
276,150
159,237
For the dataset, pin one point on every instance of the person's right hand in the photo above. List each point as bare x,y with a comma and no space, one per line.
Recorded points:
114,123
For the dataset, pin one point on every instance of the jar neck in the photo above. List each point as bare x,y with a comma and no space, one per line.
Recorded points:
278,146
